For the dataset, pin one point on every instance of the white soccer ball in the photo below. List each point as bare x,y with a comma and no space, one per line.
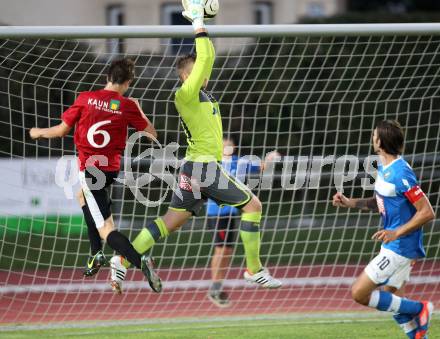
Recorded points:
211,8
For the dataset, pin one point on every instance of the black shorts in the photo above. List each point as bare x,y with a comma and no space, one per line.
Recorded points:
95,187
225,229
199,181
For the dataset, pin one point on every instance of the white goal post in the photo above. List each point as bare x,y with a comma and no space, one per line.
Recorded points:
223,31
311,92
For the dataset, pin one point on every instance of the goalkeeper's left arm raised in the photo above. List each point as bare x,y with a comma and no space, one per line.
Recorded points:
201,71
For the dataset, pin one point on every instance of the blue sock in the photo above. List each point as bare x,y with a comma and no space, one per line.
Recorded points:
407,323
388,302
408,306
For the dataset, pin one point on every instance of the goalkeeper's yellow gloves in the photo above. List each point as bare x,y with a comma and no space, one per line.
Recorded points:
194,11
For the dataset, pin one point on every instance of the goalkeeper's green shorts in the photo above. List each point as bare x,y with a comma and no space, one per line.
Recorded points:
199,181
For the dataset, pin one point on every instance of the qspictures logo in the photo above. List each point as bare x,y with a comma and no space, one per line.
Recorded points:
165,163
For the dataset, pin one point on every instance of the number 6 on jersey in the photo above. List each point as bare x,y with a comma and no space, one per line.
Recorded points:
93,130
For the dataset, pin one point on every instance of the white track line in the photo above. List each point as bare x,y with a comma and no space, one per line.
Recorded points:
332,317
191,284
240,325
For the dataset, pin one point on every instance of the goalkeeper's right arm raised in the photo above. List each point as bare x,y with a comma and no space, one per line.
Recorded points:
201,70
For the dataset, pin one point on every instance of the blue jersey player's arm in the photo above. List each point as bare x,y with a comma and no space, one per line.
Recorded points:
364,204
424,213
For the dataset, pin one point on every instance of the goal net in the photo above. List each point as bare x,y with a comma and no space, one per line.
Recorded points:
314,99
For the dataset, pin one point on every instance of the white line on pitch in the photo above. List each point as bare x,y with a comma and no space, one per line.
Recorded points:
338,317
191,284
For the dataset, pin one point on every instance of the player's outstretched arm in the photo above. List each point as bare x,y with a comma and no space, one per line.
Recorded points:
202,69
57,131
367,204
69,119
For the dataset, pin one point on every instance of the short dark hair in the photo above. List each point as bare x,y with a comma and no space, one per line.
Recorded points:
184,61
233,137
391,136
120,71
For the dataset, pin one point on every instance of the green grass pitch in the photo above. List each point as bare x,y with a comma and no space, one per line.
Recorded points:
328,328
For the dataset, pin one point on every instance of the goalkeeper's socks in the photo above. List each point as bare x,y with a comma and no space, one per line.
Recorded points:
121,244
386,301
407,323
250,235
150,235
94,237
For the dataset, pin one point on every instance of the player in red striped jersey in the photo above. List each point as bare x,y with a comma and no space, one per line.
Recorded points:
101,119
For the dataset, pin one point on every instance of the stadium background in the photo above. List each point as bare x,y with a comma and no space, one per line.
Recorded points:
48,238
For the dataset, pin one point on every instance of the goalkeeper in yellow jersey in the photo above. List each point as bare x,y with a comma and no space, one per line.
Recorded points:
201,175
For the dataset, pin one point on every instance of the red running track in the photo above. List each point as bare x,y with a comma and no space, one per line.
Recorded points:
55,296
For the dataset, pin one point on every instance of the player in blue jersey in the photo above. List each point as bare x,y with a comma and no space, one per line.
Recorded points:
404,209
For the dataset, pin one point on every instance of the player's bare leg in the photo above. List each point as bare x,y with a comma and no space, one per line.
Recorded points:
160,228
361,293
364,291
220,262
170,222
250,236
175,219
97,259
